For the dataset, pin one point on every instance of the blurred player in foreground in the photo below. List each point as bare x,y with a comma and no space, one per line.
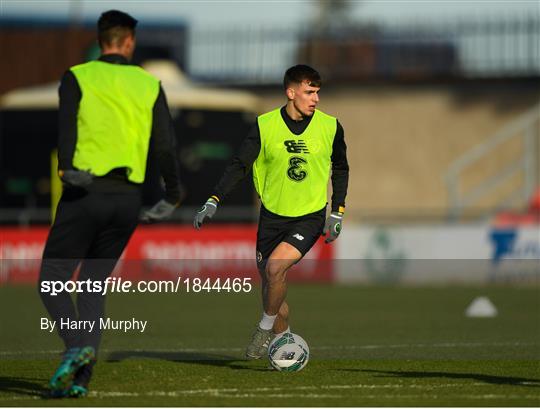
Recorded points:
291,150
109,114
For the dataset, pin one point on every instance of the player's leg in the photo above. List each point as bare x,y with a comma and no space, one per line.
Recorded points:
302,235
283,256
91,305
282,320
103,255
281,242
270,233
281,324
67,243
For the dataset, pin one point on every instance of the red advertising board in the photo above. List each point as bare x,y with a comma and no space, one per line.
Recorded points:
165,252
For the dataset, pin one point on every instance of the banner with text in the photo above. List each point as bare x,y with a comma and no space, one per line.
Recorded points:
165,252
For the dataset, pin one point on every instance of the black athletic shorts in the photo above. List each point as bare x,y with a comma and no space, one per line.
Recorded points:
301,232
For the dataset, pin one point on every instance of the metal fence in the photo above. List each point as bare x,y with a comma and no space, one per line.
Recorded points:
460,49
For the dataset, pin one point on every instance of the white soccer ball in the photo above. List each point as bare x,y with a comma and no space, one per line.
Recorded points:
288,352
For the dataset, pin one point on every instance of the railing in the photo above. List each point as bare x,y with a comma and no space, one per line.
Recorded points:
462,49
525,127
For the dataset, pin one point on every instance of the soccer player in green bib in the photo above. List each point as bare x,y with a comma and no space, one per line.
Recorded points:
110,112
291,150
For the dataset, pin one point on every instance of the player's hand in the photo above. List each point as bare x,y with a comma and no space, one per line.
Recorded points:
162,210
207,211
79,178
332,227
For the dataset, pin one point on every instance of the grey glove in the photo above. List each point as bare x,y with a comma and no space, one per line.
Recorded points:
162,210
78,178
332,226
207,211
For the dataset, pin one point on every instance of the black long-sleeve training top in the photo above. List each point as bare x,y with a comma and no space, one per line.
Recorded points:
249,151
162,138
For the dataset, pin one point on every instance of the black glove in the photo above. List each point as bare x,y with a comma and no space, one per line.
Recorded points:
79,178
162,210
332,226
207,211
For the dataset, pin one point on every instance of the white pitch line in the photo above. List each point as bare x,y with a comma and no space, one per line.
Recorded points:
245,394
235,393
272,392
280,395
9,398
220,391
404,385
265,392
502,396
453,397
315,348
435,345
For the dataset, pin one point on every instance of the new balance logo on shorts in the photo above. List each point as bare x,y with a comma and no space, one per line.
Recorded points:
298,236
296,147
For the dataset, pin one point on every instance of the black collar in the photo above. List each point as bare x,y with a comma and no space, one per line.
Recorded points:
296,127
114,59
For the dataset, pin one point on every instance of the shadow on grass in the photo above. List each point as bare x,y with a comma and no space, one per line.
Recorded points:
196,358
492,379
33,387
23,386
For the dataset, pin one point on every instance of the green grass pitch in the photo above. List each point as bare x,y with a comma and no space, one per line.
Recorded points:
370,346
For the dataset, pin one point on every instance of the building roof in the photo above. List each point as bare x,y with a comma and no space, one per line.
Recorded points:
180,91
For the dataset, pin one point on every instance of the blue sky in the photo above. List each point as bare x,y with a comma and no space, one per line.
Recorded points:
222,13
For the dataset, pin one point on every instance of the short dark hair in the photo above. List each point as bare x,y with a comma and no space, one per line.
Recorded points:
300,73
113,27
